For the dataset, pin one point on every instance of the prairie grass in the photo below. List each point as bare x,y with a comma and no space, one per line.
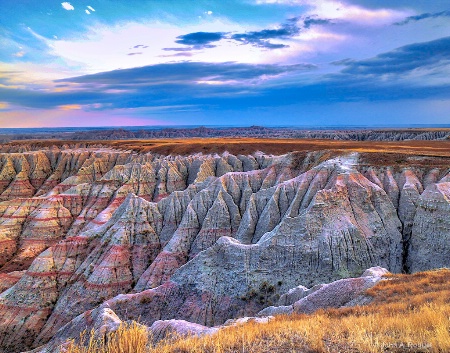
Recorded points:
372,152
129,338
409,313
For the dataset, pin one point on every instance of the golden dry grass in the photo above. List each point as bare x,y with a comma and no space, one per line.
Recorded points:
129,338
409,313
251,145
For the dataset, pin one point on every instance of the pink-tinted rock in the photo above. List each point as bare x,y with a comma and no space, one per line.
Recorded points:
199,238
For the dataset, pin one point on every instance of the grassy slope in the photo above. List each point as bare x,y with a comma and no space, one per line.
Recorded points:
409,313
251,145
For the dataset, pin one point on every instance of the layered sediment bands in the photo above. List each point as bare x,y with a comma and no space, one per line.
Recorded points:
203,238
35,173
111,236
7,280
29,305
80,190
300,245
136,254
117,255
231,279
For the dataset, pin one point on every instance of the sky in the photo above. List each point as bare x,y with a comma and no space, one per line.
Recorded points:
224,62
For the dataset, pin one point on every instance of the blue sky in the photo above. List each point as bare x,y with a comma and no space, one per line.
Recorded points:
234,62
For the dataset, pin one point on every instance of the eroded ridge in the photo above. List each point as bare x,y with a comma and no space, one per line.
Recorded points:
201,238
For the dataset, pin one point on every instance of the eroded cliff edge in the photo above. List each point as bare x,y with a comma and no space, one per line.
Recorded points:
202,238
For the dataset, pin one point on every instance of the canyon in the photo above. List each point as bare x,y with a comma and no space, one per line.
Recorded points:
188,234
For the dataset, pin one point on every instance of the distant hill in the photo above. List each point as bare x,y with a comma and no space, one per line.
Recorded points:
347,134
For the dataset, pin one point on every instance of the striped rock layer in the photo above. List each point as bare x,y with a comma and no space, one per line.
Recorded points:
201,238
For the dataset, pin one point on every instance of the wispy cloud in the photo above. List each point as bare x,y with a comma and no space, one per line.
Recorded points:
315,20
261,38
405,59
67,6
343,10
105,48
19,54
423,17
200,38
186,73
70,107
152,85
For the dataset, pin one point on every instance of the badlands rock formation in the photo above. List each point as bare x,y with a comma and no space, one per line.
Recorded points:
93,236
345,292
251,131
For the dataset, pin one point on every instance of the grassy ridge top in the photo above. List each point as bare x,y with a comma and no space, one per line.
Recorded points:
250,145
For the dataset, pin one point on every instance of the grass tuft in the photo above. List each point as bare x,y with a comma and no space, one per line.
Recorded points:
128,338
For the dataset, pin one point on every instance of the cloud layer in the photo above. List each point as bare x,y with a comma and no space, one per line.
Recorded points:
240,56
236,85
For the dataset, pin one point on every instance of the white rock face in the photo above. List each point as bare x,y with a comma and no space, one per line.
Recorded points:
376,271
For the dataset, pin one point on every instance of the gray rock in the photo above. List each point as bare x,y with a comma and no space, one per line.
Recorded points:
376,271
166,329
345,292
293,295
429,246
336,294
277,310
246,319
100,322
